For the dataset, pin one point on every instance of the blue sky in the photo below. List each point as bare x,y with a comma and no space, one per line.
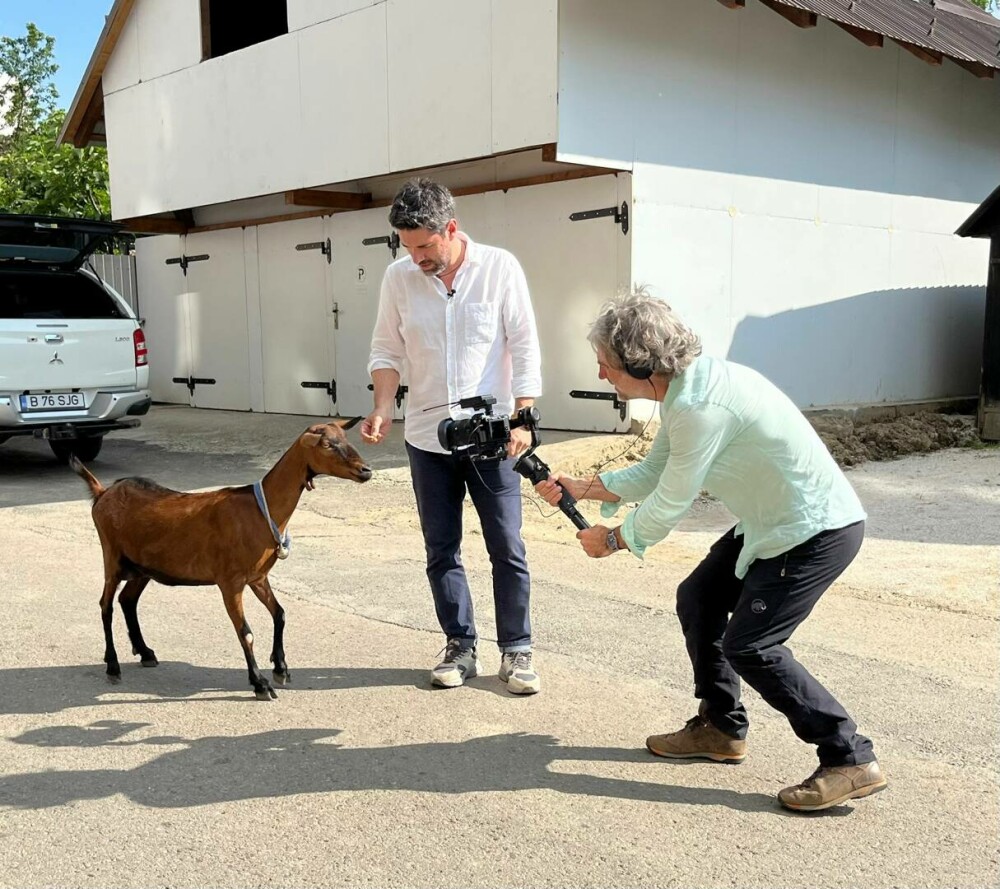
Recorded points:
75,25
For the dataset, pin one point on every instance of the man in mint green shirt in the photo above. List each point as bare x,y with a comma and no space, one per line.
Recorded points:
726,429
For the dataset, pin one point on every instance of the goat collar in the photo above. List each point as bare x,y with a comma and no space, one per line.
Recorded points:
284,543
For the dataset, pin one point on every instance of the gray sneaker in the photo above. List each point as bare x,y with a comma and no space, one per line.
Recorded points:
459,664
516,670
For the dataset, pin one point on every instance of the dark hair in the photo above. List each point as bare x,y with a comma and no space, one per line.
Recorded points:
422,203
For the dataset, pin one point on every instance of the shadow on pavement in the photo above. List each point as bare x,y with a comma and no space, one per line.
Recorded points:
211,770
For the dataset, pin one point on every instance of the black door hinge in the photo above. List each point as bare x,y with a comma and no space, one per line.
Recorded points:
324,247
602,396
620,214
331,387
392,241
185,261
192,382
400,393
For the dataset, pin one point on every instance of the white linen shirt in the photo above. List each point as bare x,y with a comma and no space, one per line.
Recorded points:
482,340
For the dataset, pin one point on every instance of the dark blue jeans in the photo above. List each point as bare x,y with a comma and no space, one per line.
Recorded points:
440,482
737,629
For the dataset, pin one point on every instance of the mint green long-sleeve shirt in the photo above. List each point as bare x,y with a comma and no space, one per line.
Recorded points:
728,430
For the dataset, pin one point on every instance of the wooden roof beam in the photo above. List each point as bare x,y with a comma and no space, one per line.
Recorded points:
93,114
333,200
868,38
982,71
733,4
114,24
925,55
801,18
154,225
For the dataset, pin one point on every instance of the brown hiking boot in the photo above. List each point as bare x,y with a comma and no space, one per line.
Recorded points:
699,739
833,785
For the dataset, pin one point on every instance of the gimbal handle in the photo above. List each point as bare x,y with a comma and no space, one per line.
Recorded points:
532,467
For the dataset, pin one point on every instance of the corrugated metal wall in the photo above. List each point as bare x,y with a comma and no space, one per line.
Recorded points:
118,271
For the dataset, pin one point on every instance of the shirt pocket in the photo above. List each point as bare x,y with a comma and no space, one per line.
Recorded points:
480,323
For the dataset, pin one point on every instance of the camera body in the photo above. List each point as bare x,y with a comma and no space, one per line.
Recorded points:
484,435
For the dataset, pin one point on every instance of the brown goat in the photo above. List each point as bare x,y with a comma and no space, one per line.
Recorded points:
222,537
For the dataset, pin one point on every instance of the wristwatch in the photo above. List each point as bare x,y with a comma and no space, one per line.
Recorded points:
613,541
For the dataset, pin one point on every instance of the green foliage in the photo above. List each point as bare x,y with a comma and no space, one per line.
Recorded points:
988,5
37,175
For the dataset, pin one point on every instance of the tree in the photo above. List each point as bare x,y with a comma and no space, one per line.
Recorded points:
988,5
37,175
27,94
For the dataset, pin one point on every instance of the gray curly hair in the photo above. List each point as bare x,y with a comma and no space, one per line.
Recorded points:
643,331
422,203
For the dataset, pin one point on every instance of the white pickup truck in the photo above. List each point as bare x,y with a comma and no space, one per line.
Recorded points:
73,359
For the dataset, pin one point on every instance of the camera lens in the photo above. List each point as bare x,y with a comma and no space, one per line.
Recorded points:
445,428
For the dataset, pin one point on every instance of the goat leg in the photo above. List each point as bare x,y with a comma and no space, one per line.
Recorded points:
262,589
129,601
107,613
233,597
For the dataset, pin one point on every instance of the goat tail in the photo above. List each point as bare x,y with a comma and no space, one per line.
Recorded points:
96,488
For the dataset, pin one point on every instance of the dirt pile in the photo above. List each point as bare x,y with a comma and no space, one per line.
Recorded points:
852,442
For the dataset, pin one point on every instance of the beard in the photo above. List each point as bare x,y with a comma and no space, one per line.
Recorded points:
436,268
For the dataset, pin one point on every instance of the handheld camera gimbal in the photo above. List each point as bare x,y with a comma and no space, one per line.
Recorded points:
484,436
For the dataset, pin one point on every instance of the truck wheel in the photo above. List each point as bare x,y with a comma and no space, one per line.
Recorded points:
85,449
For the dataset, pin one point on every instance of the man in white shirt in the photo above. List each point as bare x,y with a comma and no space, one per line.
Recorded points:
455,321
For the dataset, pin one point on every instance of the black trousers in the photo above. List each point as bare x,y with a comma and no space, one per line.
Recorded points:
738,628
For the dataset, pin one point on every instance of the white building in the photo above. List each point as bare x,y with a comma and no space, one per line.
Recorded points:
787,173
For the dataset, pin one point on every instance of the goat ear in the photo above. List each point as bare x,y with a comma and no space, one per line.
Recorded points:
310,438
348,424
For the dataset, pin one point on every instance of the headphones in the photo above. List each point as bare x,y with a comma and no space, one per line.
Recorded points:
637,371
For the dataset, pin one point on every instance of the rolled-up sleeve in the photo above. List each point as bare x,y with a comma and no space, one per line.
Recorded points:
696,437
388,347
522,334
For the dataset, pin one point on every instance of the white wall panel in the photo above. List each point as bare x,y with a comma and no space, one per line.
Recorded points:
524,72
357,89
159,37
303,13
217,319
130,160
682,255
696,86
122,68
169,36
439,81
163,305
795,191
186,118
251,258
294,309
344,98
264,134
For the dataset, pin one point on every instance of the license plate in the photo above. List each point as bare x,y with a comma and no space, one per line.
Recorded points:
53,401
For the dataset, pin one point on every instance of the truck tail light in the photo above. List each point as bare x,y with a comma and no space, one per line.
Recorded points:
141,352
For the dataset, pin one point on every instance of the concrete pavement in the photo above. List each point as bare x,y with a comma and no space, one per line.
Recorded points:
361,775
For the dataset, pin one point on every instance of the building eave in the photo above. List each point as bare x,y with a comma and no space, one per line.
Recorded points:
985,219
87,109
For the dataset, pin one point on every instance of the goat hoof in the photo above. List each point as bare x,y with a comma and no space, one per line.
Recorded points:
150,661
265,694
114,678
281,678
